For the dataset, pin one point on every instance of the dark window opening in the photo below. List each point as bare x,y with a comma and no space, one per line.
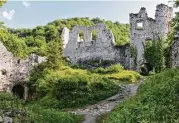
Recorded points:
18,61
4,72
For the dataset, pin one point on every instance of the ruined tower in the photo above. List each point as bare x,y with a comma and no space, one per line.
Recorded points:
143,28
163,17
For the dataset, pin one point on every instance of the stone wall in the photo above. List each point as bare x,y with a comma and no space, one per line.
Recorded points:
13,70
175,52
88,49
143,28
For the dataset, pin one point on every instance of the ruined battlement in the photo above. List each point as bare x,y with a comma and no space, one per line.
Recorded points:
144,28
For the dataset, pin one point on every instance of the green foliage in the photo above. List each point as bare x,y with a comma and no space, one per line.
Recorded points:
154,54
50,31
120,31
117,72
134,54
55,53
125,76
67,87
40,115
94,35
108,70
33,113
75,91
2,2
3,32
156,101
16,46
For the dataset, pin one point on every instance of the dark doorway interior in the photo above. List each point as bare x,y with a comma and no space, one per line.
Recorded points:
18,90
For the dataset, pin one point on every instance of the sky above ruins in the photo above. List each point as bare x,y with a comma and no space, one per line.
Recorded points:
28,14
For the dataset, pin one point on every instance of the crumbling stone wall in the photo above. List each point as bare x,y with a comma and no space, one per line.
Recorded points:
15,71
143,28
175,52
81,51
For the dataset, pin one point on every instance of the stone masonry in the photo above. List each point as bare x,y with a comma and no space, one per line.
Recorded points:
175,52
15,71
143,28
79,51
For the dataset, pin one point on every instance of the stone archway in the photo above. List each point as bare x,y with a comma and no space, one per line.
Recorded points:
145,68
19,91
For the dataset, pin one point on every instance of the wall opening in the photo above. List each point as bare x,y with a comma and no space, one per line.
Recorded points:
4,72
81,36
18,90
139,25
94,35
145,68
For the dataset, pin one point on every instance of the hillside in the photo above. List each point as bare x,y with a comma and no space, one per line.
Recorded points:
36,38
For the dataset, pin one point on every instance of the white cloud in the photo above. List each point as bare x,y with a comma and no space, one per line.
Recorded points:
8,15
26,4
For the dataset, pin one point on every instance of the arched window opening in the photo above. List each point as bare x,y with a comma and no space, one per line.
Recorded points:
81,36
94,35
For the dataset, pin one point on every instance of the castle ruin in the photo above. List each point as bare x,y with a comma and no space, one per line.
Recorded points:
100,49
14,72
144,28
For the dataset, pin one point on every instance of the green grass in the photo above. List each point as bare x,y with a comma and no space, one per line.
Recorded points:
156,101
72,88
117,72
33,113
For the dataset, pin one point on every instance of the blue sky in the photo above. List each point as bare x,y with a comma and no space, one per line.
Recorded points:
28,14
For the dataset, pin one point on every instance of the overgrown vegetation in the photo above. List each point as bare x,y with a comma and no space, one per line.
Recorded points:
68,87
117,73
156,101
154,54
22,112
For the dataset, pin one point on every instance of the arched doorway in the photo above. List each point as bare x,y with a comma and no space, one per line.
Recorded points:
18,90
145,68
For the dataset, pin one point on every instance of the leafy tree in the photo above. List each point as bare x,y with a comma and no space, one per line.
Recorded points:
3,32
54,53
154,54
16,46
2,2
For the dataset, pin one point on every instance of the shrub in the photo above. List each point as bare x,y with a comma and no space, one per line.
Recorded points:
125,76
74,91
109,70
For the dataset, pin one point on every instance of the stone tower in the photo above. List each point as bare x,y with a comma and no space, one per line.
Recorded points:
143,28
163,17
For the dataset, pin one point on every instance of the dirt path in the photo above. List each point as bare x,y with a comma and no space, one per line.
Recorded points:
93,111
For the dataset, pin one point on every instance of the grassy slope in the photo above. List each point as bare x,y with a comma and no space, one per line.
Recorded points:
156,101
71,88
29,113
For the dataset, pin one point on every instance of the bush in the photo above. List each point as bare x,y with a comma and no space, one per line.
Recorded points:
75,91
109,70
125,76
156,101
